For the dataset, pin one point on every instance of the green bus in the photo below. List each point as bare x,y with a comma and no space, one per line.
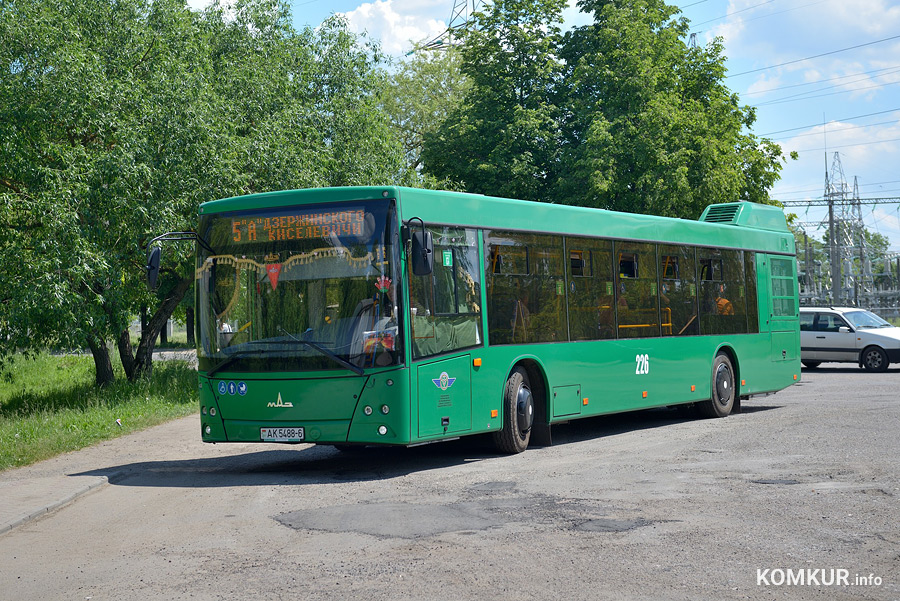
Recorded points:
397,316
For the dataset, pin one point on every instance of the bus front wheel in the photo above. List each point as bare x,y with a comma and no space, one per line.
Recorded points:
723,390
518,413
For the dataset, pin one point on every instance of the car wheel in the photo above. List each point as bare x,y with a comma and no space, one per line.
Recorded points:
874,359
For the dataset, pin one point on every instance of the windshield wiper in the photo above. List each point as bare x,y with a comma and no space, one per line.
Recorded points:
354,368
228,361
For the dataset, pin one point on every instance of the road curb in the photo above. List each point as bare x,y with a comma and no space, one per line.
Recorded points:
33,512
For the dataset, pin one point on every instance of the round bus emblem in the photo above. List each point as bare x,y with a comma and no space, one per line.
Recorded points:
444,382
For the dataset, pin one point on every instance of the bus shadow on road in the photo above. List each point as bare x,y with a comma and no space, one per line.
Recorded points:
293,467
582,430
312,465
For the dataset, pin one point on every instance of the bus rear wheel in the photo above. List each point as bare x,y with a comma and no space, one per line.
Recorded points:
518,413
722,398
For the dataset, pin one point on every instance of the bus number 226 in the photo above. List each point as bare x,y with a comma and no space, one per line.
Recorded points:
643,364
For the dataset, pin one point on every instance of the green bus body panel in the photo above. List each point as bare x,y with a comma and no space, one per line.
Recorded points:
567,400
580,379
444,390
330,408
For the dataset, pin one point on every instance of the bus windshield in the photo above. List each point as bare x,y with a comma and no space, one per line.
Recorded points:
301,288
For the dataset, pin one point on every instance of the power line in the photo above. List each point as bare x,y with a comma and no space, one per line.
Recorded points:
837,131
794,98
781,131
800,60
822,202
811,83
851,145
787,10
736,12
783,192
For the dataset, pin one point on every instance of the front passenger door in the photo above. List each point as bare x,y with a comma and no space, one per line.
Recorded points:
831,343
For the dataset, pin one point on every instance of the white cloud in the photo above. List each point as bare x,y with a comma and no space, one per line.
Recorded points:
398,27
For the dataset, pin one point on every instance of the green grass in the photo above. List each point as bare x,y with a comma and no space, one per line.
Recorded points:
49,405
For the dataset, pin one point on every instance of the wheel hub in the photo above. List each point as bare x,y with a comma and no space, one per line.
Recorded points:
723,385
524,409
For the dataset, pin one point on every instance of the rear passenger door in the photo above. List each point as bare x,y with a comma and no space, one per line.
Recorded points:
831,343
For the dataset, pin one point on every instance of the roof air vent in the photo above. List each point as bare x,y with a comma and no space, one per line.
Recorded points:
721,213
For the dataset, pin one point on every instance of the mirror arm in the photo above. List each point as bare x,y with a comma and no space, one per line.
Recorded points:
408,234
174,236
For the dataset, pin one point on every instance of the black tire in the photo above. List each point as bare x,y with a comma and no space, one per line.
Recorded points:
722,389
811,364
874,359
518,413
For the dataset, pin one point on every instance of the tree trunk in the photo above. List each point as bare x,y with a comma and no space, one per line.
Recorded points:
143,358
189,323
103,373
125,353
164,333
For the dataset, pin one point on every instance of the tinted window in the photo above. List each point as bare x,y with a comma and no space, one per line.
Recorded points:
678,290
783,287
591,299
723,295
637,301
806,321
752,296
526,287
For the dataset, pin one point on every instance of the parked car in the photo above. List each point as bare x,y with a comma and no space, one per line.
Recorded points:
848,335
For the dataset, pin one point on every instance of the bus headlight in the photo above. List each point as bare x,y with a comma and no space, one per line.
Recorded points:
367,410
208,430
385,409
381,430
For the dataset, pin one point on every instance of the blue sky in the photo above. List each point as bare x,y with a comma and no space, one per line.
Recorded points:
837,88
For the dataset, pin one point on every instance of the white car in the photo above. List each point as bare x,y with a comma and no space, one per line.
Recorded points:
848,335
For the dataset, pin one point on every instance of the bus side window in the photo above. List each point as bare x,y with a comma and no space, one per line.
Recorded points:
628,265
445,306
678,290
637,302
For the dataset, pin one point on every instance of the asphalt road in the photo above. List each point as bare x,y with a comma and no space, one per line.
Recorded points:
646,505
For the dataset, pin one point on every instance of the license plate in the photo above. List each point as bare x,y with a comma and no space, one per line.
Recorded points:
281,434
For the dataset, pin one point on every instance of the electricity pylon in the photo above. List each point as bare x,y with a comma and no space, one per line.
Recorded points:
461,18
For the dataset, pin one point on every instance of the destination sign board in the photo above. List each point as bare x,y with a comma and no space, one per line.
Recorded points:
298,226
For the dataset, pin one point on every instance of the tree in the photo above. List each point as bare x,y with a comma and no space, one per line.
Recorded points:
419,96
118,117
649,125
503,139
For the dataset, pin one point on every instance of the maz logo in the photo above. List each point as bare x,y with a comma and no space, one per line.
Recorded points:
280,403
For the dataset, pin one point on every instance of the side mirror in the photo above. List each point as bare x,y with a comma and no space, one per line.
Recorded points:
844,330
422,252
153,267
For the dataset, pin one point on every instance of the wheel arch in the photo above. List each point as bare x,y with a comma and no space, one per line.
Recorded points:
540,391
868,347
